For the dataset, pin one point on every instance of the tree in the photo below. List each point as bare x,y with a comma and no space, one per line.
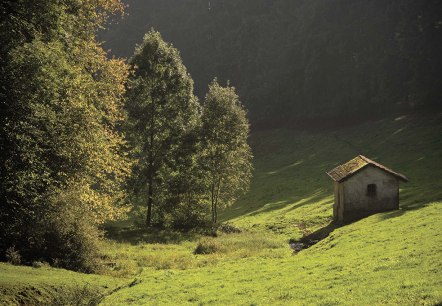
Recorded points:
62,104
162,111
226,156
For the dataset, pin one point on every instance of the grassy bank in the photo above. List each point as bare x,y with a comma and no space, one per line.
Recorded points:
21,285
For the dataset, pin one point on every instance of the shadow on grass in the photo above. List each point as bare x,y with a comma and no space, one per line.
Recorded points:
311,239
400,212
414,198
321,233
317,196
290,185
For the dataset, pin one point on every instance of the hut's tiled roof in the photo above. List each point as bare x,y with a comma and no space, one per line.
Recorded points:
344,171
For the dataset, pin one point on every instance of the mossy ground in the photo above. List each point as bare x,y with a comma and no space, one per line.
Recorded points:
389,258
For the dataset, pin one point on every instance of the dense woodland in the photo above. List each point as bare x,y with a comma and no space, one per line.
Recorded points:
304,59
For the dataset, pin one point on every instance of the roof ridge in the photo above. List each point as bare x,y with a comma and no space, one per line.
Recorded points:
368,160
342,172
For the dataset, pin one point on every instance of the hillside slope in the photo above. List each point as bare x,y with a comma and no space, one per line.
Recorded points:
385,259
389,258
291,189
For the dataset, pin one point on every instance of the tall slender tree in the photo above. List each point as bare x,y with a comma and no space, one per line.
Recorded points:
162,110
226,156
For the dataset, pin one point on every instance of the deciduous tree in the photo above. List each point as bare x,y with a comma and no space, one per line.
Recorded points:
162,111
226,156
61,105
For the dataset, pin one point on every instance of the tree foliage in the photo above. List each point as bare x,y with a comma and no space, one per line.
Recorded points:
62,103
189,157
226,157
163,113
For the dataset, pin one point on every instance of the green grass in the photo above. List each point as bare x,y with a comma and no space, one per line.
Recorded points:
34,286
389,258
368,262
291,192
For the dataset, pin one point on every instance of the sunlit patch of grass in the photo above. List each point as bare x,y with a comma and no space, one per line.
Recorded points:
243,245
133,258
127,260
367,262
21,285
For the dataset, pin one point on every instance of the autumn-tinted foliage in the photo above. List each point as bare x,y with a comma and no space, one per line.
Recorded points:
61,102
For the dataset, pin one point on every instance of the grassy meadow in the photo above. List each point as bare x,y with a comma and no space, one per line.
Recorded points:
390,258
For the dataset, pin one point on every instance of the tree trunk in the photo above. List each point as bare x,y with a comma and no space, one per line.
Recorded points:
213,202
216,197
149,203
216,214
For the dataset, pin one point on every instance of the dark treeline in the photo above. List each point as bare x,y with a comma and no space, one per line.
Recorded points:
297,60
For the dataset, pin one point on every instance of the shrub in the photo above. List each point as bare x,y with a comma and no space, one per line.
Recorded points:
186,216
207,246
76,295
71,236
13,256
242,244
229,228
125,268
38,264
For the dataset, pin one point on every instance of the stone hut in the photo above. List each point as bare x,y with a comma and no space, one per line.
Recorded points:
363,187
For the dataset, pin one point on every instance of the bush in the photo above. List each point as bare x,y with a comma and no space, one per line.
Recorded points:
76,296
242,244
124,268
39,264
207,246
229,228
71,238
62,233
186,217
13,256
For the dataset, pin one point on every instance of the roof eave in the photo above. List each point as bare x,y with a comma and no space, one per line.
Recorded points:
399,176
328,173
402,177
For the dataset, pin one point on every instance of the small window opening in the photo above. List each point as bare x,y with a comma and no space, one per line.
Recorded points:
371,190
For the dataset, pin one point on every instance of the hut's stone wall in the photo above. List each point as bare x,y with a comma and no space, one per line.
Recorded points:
353,199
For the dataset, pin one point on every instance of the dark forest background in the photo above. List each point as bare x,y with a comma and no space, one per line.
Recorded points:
299,62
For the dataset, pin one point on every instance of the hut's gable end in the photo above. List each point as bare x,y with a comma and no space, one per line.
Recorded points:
371,189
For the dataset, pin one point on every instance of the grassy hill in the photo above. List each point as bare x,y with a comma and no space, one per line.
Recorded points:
290,188
388,258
